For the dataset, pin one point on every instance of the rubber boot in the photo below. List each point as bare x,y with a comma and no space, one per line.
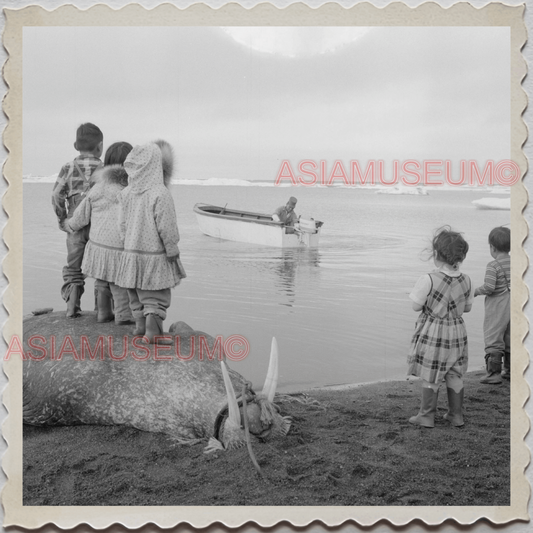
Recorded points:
455,408
121,306
493,362
140,326
154,330
428,408
506,370
73,302
105,306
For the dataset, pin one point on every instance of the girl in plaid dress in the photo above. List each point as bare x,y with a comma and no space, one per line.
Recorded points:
439,348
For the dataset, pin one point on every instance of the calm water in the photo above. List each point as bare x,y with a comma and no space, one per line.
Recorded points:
341,314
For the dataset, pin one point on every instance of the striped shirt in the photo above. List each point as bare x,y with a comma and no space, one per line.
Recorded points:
497,277
74,180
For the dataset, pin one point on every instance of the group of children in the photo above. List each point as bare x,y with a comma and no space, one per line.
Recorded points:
439,349
122,230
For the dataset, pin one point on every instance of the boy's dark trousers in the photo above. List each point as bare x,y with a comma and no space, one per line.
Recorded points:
72,274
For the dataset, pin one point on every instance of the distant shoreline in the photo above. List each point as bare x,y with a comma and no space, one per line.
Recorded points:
223,182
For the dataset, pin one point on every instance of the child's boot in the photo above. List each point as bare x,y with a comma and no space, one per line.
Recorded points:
455,407
73,302
154,330
121,303
140,326
105,305
428,408
506,370
493,363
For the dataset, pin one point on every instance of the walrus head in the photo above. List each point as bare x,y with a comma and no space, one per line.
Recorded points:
263,418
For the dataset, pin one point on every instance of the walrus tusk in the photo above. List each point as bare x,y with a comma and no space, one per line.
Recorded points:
271,381
247,432
233,407
65,391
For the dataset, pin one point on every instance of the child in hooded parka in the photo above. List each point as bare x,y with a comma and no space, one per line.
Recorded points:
149,264
100,209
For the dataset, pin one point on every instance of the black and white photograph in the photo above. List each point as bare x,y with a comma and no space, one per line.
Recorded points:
267,267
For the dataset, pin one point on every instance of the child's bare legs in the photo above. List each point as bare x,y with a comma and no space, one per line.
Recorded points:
455,389
428,406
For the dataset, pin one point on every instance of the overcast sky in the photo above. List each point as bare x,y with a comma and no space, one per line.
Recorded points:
236,102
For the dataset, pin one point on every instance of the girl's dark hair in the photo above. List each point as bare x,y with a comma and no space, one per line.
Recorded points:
500,238
116,154
449,247
88,137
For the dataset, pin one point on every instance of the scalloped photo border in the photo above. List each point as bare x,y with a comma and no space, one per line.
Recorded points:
396,14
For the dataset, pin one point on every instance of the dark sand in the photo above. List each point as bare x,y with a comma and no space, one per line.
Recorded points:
351,447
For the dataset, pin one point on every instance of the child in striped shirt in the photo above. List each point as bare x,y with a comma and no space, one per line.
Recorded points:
497,322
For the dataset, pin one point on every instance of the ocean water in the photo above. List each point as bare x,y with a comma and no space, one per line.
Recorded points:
340,313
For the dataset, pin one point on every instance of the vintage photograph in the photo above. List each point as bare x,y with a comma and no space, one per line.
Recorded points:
267,266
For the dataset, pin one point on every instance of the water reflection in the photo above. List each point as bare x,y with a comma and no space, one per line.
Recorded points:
286,267
340,313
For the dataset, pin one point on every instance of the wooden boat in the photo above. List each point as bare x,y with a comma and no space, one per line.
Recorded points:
501,204
255,228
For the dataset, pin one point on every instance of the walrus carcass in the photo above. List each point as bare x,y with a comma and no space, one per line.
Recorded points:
123,381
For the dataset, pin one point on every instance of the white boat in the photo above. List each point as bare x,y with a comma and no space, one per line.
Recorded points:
418,191
502,204
256,228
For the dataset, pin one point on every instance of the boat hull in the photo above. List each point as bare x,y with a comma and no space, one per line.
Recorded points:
253,228
499,204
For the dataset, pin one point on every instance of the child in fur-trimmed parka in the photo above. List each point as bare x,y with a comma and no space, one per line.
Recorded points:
149,265
102,255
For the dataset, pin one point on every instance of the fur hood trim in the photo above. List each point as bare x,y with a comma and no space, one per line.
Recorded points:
167,159
113,174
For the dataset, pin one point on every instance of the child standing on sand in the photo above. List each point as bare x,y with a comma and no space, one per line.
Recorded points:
149,265
439,349
497,292
101,259
72,184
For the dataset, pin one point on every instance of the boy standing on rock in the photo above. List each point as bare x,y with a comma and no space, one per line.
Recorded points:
72,184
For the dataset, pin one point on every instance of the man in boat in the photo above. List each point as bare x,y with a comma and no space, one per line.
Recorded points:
286,214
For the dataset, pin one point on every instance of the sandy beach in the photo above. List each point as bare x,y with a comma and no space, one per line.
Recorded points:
346,447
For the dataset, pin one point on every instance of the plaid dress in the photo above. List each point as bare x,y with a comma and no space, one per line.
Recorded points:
440,340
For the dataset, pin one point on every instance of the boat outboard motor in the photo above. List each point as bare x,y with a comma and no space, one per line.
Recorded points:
309,225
